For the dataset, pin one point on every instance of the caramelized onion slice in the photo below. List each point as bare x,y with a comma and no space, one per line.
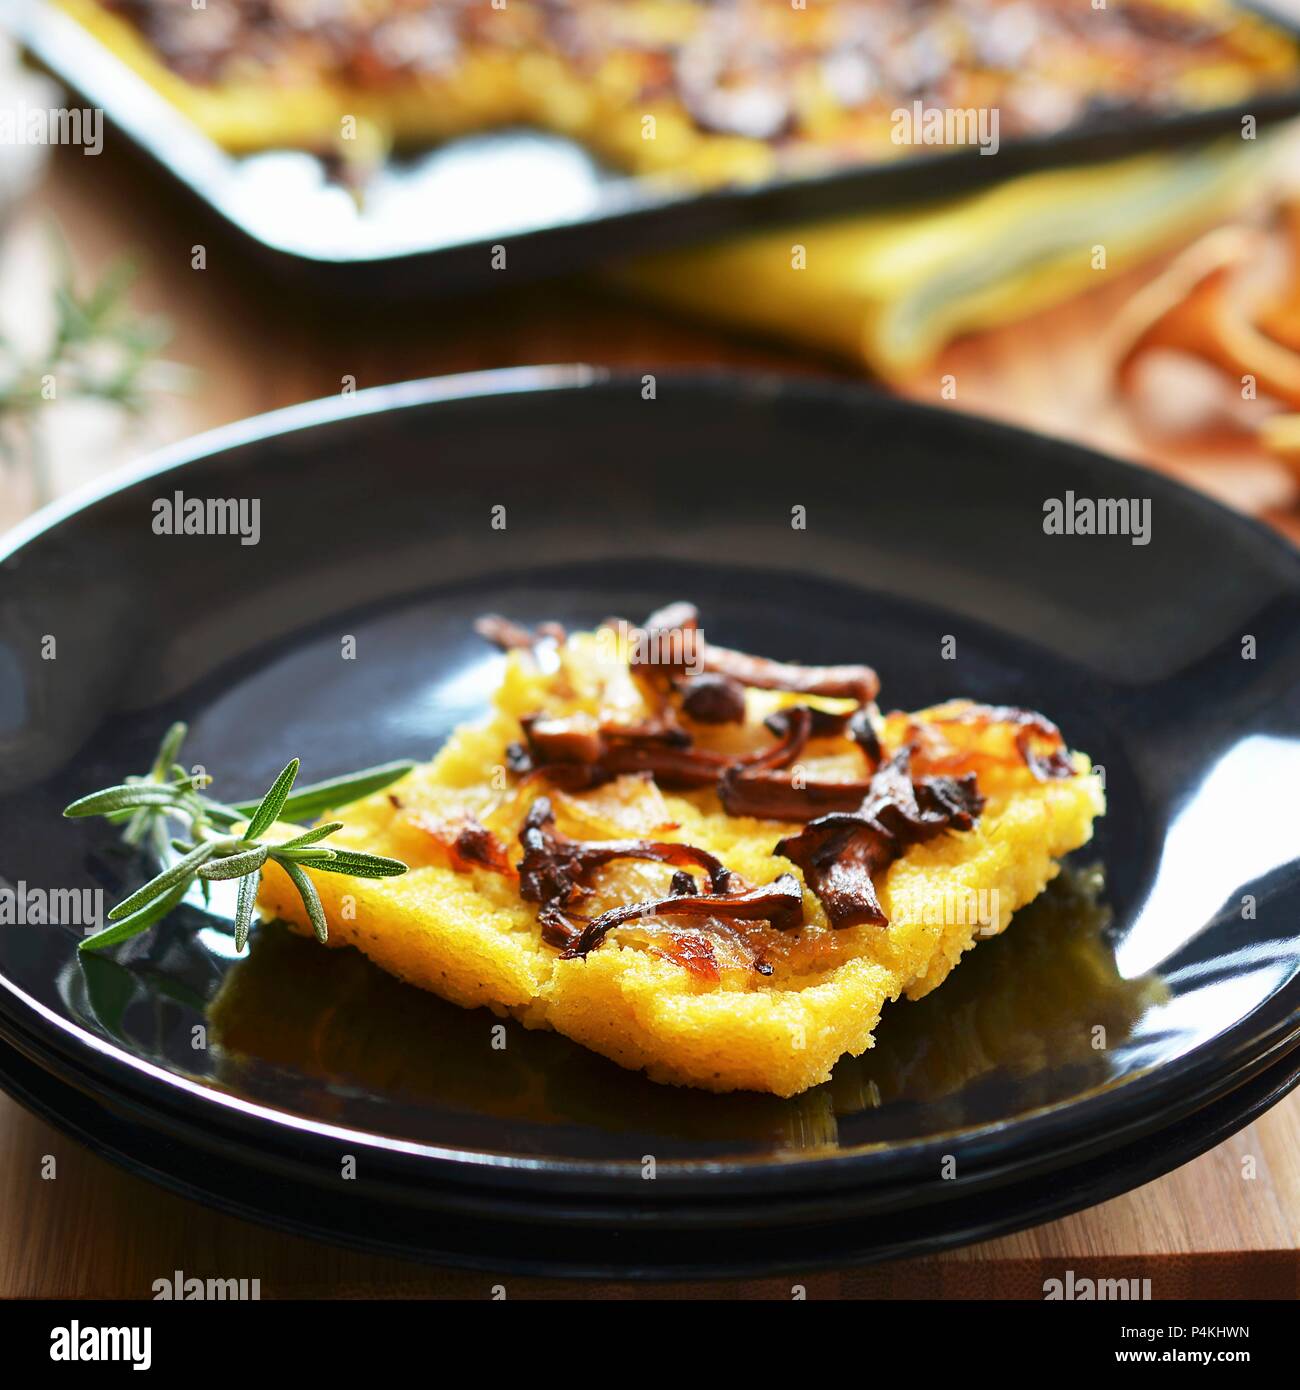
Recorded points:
553,867
779,902
1031,737
469,844
756,787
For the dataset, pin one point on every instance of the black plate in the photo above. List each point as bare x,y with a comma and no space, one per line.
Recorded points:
375,519
431,222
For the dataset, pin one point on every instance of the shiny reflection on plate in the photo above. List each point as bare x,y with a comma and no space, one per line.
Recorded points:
1036,1013
1244,809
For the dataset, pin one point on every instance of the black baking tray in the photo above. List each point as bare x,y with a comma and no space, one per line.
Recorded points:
432,221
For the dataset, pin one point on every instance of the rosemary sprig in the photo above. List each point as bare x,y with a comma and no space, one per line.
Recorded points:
225,842
99,349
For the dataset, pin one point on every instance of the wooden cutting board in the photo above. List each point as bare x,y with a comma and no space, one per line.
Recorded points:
1207,1230
1203,1231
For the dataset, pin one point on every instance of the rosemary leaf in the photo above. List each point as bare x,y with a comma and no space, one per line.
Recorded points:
310,899
166,810
137,922
169,748
182,871
138,826
119,798
312,854
307,803
309,837
235,865
357,864
248,886
158,839
225,817
269,808
99,350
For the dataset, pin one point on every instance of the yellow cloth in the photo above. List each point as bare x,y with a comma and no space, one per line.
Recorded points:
889,289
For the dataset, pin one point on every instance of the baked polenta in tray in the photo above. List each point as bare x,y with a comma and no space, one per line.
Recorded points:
709,92
708,865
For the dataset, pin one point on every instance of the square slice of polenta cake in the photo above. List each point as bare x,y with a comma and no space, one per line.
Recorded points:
703,864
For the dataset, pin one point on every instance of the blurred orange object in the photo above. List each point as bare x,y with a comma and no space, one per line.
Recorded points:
1190,309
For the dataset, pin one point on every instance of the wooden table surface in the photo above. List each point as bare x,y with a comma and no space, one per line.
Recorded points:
1205,1230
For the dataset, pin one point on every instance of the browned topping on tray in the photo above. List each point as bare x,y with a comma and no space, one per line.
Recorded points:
755,69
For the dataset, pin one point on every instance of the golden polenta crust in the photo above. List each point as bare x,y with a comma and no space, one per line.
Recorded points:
468,937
